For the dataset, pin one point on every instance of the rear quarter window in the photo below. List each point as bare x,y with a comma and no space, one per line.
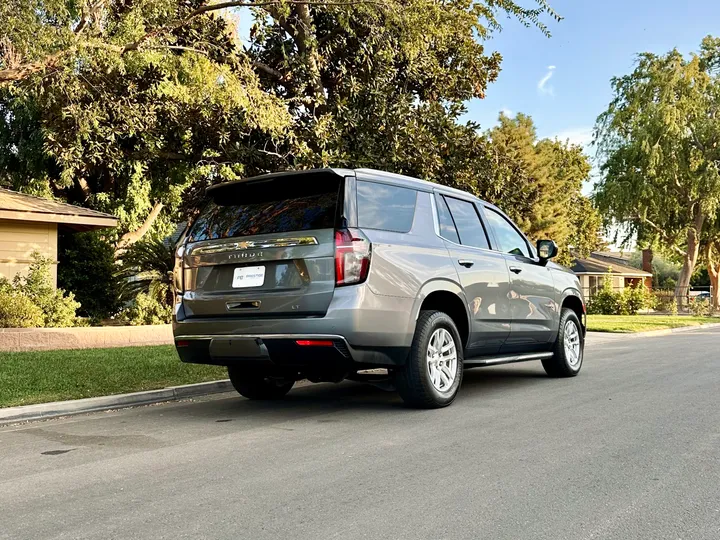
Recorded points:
385,207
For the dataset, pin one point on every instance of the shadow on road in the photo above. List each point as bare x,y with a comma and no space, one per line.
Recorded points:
324,399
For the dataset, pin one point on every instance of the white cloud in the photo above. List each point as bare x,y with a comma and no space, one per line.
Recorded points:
581,136
507,112
543,86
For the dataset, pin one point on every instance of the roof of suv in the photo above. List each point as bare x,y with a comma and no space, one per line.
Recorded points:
399,179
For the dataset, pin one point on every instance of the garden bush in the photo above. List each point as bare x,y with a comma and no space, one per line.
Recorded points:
701,308
56,308
626,302
18,311
146,309
87,269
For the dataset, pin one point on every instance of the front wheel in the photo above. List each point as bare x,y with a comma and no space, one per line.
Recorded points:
432,375
258,386
569,348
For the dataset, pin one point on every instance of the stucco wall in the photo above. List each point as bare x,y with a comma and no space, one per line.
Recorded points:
18,241
44,339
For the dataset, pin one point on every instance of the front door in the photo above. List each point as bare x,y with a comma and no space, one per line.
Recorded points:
483,274
535,312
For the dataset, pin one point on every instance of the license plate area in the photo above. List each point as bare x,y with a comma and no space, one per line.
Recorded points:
248,276
238,348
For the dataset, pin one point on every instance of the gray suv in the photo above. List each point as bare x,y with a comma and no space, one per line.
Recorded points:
331,274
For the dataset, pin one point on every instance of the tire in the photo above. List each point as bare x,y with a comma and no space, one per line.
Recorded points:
563,362
414,381
258,386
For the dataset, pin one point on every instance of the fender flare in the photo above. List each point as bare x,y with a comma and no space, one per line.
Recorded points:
436,285
574,292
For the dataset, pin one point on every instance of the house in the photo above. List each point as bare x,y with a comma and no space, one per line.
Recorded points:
593,270
30,224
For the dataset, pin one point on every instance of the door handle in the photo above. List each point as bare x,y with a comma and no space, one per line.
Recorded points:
466,263
515,269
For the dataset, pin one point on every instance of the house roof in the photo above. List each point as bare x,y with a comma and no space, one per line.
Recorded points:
599,267
21,207
612,257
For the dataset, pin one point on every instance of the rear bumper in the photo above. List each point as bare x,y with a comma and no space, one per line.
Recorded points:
366,329
282,351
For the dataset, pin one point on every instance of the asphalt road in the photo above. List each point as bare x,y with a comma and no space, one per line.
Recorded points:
630,449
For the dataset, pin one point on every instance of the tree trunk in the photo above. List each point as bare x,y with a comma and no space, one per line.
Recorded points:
682,289
647,260
714,273
129,238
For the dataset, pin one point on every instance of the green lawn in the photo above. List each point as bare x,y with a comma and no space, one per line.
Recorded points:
39,377
642,323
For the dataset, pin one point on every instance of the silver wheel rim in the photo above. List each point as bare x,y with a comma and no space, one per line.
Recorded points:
572,344
442,360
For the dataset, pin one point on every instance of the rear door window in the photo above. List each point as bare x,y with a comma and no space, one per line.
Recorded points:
385,207
276,206
467,221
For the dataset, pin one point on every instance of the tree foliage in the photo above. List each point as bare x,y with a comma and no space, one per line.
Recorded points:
553,173
659,144
86,267
135,107
123,128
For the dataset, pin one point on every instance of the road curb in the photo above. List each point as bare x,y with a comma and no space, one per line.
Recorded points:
653,333
42,411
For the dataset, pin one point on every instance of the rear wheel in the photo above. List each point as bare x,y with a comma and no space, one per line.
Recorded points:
569,347
258,386
433,372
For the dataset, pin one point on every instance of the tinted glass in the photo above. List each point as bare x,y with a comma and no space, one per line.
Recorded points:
389,208
468,223
447,227
273,207
507,236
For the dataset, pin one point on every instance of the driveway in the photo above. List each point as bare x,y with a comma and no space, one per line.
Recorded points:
629,449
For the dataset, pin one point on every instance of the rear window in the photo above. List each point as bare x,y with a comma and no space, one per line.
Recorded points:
384,207
269,206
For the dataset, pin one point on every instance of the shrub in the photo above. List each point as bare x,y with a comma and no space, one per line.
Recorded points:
701,308
18,311
146,309
56,308
626,302
59,309
87,268
147,282
634,299
665,301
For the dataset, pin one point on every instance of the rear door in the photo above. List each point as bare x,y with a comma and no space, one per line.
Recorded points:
483,273
265,248
532,291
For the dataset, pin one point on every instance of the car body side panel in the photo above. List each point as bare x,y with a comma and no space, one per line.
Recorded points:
534,305
402,263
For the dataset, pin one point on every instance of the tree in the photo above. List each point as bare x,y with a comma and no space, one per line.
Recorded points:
552,179
127,106
124,118
658,141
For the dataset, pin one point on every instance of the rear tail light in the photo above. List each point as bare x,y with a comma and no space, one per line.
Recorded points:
314,343
352,257
178,271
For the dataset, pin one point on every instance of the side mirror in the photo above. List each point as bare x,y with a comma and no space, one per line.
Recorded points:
547,249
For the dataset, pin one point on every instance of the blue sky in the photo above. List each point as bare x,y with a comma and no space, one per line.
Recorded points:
597,39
